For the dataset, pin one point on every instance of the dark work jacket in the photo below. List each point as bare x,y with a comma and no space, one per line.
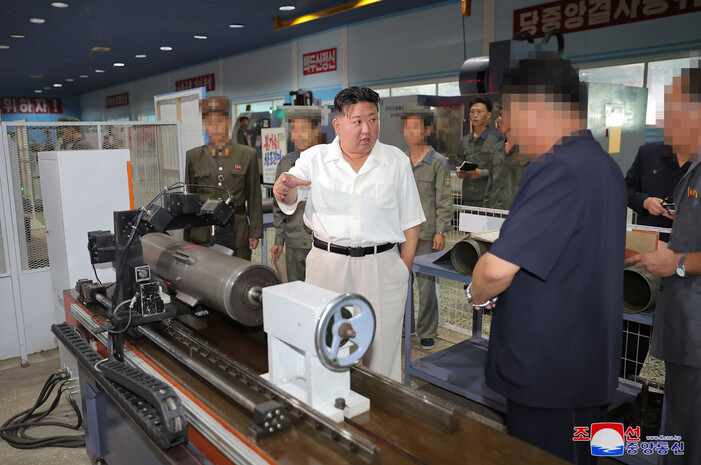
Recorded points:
654,173
677,329
555,339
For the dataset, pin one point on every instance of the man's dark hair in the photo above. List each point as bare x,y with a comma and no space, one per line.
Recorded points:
480,99
241,118
693,87
312,115
352,95
546,74
425,114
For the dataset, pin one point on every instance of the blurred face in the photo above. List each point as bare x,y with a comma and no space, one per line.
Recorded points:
69,134
244,123
358,129
302,133
682,119
479,115
217,125
536,123
415,132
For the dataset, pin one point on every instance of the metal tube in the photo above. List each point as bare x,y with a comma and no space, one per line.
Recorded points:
640,289
465,254
205,275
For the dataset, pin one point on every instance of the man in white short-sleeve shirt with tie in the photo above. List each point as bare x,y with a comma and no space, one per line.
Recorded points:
362,203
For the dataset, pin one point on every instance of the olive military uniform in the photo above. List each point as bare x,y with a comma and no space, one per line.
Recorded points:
433,182
505,175
483,150
291,230
239,166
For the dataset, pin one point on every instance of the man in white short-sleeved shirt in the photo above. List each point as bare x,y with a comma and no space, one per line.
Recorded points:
362,202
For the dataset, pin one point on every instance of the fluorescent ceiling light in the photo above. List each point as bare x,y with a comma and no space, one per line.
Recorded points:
37,21
4,47
139,56
100,49
99,70
36,75
58,85
200,37
166,48
118,65
83,76
70,80
287,8
17,36
38,91
59,5
235,26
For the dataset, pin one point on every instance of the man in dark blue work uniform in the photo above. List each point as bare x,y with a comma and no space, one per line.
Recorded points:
676,335
557,267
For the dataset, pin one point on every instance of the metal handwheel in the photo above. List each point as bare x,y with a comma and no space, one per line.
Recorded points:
338,324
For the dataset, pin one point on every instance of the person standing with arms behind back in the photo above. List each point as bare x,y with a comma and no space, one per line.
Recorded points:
230,167
557,267
361,202
481,147
433,181
290,230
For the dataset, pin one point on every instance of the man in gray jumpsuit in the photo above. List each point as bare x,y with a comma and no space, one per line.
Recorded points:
290,229
481,146
676,333
432,177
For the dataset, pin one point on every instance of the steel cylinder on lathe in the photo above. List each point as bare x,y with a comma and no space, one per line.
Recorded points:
219,281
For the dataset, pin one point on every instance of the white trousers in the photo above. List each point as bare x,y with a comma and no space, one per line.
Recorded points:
382,279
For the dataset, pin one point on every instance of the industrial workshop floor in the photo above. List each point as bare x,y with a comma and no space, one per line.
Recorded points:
20,387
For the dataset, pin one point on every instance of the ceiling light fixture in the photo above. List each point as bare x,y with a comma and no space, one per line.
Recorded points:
236,26
38,91
4,47
166,48
200,37
36,75
100,49
83,76
58,85
47,88
70,80
59,5
139,56
37,21
279,24
118,65
99,70
17,36
287,8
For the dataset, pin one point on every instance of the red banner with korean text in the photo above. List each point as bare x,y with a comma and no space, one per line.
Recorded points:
37,105
582,15
206,81
322,61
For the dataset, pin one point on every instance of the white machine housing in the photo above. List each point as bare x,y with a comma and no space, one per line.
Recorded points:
291,312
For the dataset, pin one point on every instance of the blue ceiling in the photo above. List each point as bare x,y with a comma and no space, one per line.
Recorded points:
60,48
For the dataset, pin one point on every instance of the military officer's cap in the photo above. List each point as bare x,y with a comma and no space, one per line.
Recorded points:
215,105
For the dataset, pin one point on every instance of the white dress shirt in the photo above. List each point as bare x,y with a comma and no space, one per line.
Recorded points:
371,207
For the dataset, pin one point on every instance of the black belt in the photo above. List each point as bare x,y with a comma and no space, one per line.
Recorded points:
352,251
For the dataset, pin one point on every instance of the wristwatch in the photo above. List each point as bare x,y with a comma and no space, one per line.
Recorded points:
681,271
442,234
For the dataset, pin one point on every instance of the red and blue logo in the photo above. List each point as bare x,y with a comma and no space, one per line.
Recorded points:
607,439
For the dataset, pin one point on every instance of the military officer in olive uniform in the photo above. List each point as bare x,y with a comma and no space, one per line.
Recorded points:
231,167
290,230
507,170
481,146
432,177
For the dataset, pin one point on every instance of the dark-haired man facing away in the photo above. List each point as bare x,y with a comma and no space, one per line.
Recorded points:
557,268
361,202
481,146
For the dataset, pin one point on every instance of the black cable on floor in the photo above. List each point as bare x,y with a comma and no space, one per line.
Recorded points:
14,430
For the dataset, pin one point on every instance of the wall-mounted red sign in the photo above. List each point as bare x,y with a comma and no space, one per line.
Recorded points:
38,105
319,62
581,15
199,81
118,100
